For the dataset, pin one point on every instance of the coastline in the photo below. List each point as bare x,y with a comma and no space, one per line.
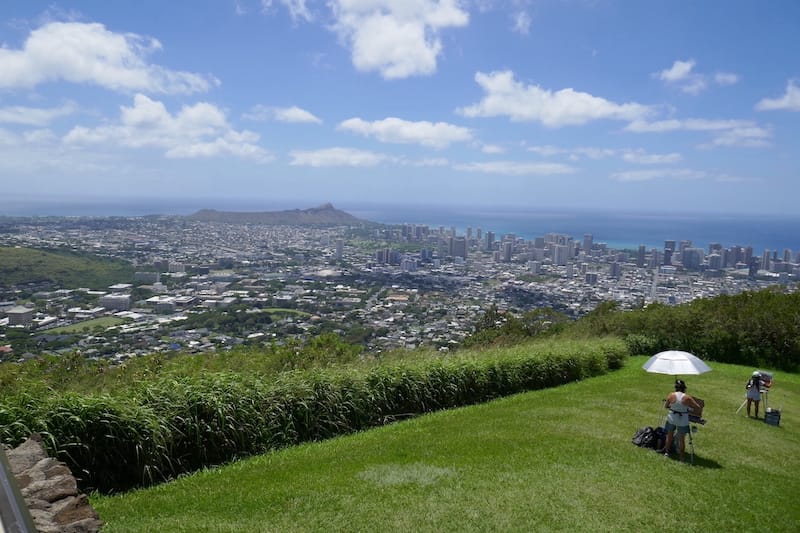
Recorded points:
619,230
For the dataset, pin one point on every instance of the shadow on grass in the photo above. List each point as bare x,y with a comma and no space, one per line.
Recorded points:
698,461
704,463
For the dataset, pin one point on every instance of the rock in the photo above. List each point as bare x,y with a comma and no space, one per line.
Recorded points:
50,491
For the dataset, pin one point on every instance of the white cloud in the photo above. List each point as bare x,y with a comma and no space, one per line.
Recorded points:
200,130
790,101
681,75
33,116
39,137
726,78
395,130
297,9
663,173
291,114
507,97
680,70
398,38
516,168
595,153
8,138
429,162
630,155
547,150
743,133
492,149
336,157
747,137
690,124
643,158
574,153
89,53
522,23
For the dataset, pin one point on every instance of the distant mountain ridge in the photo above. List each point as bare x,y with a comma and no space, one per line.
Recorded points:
324,215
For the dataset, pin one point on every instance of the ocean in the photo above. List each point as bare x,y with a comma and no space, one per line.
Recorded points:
621,230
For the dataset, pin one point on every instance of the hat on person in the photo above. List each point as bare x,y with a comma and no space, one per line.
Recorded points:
756,374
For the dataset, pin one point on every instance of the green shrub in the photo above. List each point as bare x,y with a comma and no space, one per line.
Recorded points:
757,328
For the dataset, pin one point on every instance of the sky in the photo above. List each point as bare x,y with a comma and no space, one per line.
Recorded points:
690,106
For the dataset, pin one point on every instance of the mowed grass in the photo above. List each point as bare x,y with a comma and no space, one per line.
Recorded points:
557,459
78,327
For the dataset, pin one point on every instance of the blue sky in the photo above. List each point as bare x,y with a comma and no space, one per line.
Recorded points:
625,105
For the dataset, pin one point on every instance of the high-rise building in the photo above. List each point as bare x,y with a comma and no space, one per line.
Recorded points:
692,258
444,248
560,254
640,255
508,249
684,244
587,241
747,255
714,261
669,250
656,258
615,270
489,241
459,247
339,249
765,260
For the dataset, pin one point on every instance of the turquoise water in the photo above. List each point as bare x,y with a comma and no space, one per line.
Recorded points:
617,229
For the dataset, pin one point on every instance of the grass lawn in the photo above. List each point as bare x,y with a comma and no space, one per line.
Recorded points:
285,311
558,459
102,322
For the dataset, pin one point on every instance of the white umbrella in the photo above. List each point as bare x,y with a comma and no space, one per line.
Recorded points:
676,363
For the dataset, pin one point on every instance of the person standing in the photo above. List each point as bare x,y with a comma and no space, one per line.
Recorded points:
755,385
679,404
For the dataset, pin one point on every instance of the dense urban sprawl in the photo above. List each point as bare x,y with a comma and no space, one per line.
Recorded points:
201,286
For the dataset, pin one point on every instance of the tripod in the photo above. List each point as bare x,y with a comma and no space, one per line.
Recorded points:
762,395
740,407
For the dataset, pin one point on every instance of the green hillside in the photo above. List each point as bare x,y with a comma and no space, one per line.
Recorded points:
65,269
555,459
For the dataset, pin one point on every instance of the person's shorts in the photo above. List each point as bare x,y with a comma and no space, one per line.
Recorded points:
683,430
753,394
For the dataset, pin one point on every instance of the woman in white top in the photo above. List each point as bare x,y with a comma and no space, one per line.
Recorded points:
679,404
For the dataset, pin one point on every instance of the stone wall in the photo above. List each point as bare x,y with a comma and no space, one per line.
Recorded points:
50,491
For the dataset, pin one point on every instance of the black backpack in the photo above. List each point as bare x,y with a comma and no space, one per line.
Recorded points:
644,437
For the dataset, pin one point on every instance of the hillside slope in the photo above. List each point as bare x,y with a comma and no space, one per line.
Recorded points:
65,269
557,459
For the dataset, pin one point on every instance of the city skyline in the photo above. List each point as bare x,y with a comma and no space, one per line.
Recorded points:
680,106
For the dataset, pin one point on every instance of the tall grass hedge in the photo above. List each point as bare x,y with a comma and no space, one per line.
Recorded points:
158,430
